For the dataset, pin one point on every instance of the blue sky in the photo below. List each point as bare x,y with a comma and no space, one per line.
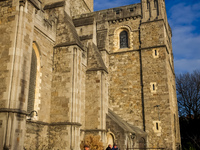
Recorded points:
184,19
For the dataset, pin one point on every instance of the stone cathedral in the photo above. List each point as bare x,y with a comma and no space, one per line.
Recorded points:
67,71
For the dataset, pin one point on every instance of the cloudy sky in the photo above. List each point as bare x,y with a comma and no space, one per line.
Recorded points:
184,19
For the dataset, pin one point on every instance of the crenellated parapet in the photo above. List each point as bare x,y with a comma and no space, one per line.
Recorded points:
119,13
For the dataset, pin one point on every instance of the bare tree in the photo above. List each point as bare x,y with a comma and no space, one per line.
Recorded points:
188,95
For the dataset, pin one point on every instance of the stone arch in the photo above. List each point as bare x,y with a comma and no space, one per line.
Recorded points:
142,143
34,81
110,138
116,45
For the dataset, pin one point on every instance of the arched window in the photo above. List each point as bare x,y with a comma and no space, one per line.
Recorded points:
156,6
32,82
123,39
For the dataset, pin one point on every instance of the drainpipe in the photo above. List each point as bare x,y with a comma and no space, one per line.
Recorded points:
141,79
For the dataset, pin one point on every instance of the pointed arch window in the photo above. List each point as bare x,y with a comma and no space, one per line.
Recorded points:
123,39
32,82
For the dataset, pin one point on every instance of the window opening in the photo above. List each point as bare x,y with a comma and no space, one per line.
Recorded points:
153,87
148,4
131,9
156,53
155,3
123,39
156,6
157,126
32,82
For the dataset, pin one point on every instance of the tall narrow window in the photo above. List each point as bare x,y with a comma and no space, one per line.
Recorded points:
157,126
148,4
153,87
156,6
32,82
123,39
156,53
149,7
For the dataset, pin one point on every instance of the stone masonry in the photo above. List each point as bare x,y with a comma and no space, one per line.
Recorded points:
84,81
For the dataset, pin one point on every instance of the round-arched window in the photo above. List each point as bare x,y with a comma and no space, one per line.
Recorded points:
123,39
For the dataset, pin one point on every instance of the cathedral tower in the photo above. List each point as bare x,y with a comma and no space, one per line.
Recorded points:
158,77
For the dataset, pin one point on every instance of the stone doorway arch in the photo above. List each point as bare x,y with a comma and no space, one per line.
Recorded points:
110,138
142,143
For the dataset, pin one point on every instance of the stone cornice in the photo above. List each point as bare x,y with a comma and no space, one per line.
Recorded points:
69,44
54,123
54,5
123,19
10,110
93,130
97,69
144,48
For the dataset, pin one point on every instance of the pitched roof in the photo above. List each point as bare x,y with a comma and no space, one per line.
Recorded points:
66,32
124,125
95,61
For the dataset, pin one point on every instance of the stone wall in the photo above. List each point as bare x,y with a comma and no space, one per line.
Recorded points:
61,85
90,4
79,7
154,72
96,96
81,71
36,136
59,137
124,89
7,19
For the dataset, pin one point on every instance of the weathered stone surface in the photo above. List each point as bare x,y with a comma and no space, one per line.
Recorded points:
81,72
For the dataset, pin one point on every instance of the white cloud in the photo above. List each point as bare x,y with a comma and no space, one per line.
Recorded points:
186,42
186,65
184,14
